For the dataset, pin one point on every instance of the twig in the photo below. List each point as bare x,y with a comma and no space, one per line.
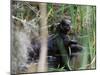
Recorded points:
23,21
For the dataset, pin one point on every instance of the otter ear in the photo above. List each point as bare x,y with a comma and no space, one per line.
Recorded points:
59,27
62,22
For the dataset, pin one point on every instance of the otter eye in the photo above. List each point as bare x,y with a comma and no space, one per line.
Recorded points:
67,26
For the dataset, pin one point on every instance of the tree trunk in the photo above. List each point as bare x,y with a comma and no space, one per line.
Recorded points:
42,65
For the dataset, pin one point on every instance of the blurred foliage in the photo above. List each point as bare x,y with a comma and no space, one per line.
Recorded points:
83,19
83,29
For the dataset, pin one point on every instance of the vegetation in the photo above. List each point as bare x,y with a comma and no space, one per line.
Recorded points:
83,19
83,29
